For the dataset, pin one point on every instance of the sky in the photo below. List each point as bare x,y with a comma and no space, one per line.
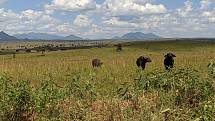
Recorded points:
96,19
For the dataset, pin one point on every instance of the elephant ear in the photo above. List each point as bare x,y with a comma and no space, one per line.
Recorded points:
145,58
173,55
141,57
148,59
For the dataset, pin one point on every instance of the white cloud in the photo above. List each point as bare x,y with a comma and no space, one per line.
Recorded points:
31,21
115,22
113,18
132,7
186,9
7,15
71,5
209,16
3,1
31,14
82,21
205,4
185,21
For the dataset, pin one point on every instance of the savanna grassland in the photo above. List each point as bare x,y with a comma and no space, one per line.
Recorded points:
62,85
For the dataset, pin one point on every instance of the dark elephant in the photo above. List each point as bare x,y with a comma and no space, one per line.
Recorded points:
169,61
119,47
141,61
96,63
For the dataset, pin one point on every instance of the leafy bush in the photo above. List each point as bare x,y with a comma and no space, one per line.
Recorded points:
81,89
16,100
146,98
20,101
211,67
47,96
183,85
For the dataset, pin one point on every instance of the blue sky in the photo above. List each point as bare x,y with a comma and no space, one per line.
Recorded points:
109,18
20,5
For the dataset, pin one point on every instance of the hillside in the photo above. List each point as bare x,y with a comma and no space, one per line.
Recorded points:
5,36
45,36
72,37
138,36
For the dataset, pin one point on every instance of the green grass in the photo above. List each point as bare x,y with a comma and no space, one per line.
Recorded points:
63,85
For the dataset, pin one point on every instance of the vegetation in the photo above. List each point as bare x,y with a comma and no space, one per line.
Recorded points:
63,85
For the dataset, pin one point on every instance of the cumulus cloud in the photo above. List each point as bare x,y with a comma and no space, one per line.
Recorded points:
82,21
71,5
115,22
205,4
132,7
186,9
185,21
31,14
3,1
209,16
31,21
114,18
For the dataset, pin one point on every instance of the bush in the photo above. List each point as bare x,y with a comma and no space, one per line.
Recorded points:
81,89
211,68
172,95
16,100
28,50
20,101
183,85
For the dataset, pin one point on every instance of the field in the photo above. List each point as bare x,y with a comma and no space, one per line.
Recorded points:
62,85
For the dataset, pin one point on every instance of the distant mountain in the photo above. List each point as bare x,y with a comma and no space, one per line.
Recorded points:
45,36
116,37
72,37
33,35
138,36
5,36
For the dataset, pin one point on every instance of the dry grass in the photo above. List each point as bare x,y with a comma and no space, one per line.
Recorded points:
59,64
119,68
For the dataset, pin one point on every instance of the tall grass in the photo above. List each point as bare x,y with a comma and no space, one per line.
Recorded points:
64,86
179,94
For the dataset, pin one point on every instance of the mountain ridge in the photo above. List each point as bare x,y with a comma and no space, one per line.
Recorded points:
45,36
5,36
138,36
72,37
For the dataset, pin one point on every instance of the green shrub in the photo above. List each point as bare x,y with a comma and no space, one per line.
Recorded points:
182,91
183,85
16,100
47,96
81,89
